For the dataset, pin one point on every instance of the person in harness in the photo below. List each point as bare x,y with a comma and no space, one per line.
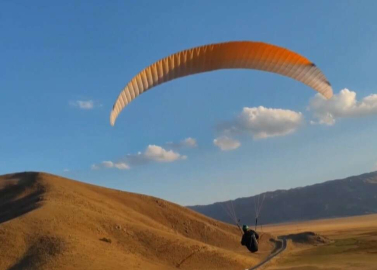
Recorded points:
250,239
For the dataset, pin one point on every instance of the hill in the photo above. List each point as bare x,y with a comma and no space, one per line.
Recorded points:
50,222
352,196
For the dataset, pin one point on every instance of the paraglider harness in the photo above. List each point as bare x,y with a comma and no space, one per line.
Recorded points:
250,239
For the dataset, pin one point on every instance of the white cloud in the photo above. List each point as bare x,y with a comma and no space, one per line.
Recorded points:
66,170
95,167
190,142
83,104
186,143
226,144
342,105
261,122
153,153
110,165
159,154
122,166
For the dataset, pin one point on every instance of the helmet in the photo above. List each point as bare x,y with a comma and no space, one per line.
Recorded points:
245,228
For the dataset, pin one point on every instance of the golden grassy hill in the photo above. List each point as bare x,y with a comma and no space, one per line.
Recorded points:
49,222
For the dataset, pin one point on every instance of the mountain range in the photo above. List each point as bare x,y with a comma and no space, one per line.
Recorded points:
356,195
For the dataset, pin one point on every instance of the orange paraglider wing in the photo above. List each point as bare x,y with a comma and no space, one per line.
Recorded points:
229,55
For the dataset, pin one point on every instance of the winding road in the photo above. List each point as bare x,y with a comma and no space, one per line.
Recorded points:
280,246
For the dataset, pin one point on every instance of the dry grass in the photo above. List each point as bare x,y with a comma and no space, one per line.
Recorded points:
352,245
49,222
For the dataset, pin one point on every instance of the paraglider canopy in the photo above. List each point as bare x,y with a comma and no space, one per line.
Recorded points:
229,55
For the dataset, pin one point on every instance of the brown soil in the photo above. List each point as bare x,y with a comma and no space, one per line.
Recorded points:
49,222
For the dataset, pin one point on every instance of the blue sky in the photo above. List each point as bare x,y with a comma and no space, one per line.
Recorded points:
54,55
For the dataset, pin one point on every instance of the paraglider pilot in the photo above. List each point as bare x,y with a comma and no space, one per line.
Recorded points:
250,239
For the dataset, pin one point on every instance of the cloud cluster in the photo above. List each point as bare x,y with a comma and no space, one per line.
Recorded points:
226,144
153,153
342,105
261,122
186,143
264,122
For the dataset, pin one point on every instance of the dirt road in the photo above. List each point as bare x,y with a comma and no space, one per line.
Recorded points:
280,246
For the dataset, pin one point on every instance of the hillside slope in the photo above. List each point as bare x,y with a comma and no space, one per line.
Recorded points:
352,196
49,222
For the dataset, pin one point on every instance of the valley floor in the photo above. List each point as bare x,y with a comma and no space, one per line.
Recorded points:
352,244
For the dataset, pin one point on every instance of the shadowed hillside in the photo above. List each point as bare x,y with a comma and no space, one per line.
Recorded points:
352,196
49,222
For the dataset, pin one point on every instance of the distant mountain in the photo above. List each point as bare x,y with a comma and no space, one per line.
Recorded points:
356,195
